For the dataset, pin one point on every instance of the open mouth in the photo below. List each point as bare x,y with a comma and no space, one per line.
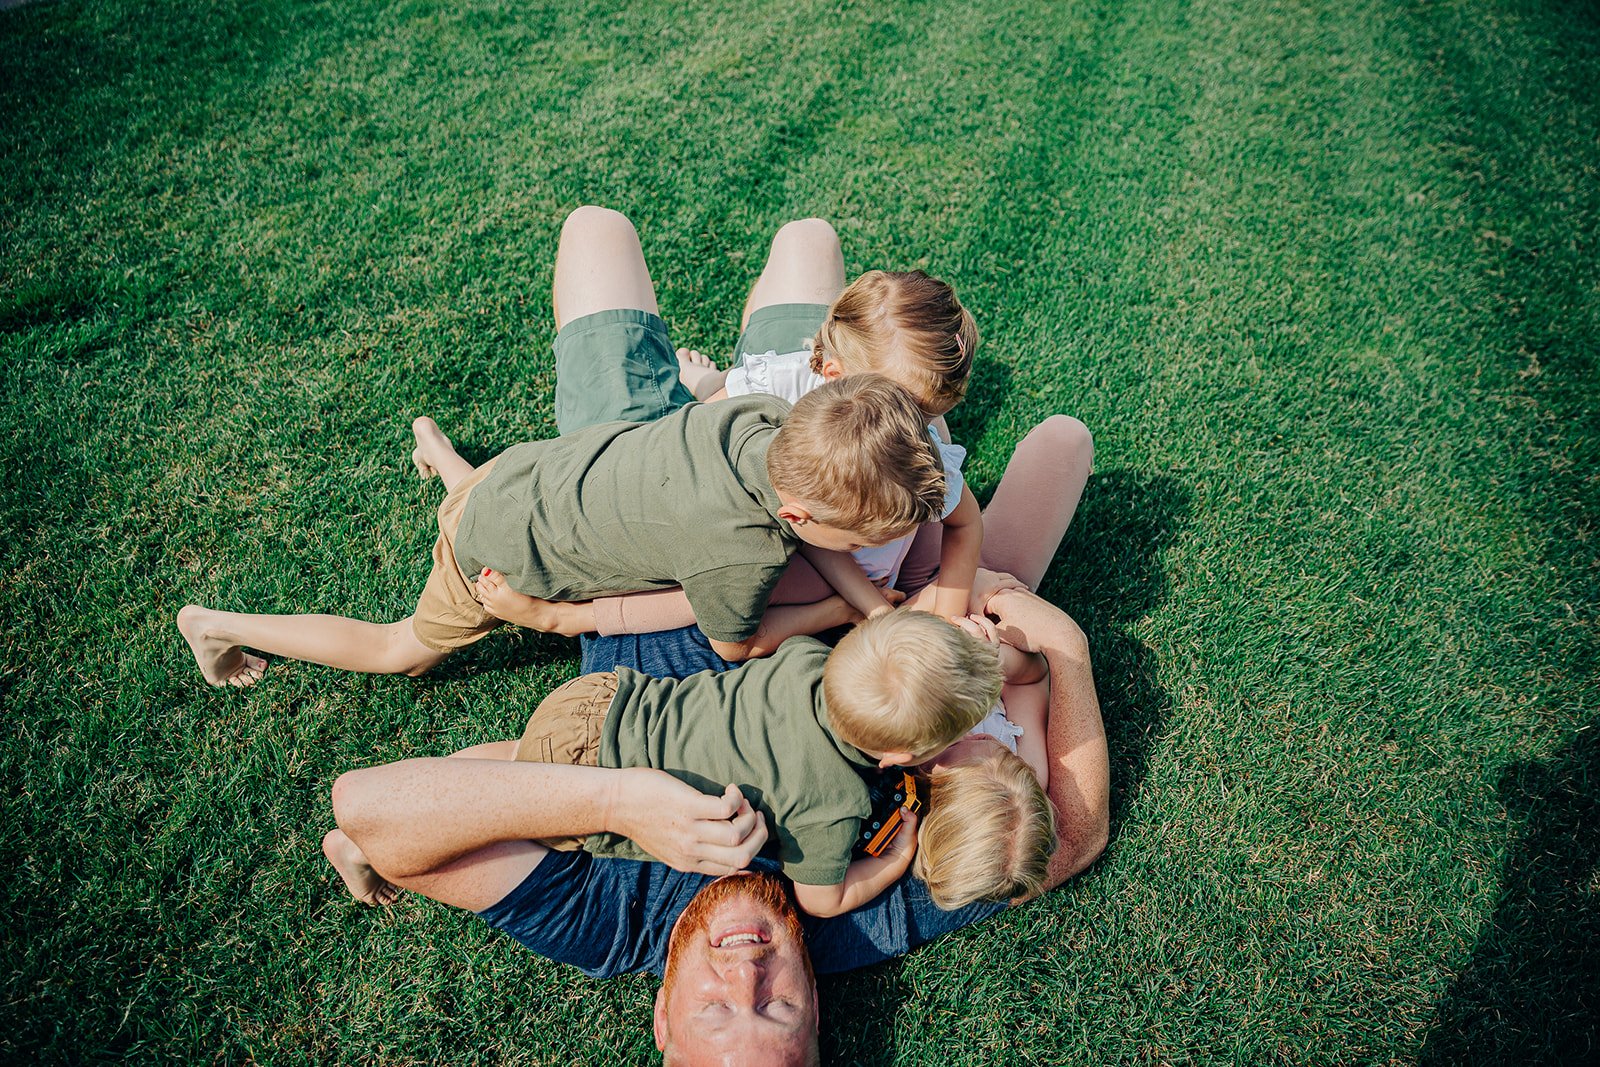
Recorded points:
740,936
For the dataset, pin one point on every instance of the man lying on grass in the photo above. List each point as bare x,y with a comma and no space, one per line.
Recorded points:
737,977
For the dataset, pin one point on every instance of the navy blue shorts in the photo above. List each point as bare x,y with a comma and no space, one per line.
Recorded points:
610,916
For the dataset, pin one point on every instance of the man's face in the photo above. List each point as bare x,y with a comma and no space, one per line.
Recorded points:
738,986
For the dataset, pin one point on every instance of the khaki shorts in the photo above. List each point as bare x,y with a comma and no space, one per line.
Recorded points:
566,727
448,616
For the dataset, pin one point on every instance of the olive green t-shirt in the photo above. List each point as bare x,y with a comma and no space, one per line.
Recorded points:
762,726
622,507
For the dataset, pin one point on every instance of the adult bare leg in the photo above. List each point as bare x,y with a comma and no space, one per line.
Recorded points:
804,266
600,267
1030,510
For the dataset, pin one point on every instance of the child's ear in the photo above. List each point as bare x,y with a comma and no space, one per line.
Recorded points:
831,369
797,514
895,759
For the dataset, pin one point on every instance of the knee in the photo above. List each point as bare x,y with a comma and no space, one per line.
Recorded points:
808,234
589,221
404,654
349,799
1065,436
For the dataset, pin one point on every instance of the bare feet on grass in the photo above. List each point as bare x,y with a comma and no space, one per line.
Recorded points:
221,661
430,442
364,883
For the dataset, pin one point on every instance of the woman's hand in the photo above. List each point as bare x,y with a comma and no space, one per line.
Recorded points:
978,626
683,827
986,584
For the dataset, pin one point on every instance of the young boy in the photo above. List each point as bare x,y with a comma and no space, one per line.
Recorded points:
792,732
712,497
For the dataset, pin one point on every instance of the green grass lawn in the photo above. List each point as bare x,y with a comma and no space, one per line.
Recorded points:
1323,278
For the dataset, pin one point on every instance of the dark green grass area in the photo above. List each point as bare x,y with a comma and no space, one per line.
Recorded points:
1323,279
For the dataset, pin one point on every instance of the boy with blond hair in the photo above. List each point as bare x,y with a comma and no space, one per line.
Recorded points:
793,732
712,497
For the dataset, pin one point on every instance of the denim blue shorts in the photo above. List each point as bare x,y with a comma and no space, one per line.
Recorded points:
611,916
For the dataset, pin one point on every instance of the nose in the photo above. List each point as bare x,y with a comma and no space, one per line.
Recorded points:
742,977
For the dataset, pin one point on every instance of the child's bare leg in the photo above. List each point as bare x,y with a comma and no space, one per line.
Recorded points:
435,454
364,883
488,750
804,266
218,638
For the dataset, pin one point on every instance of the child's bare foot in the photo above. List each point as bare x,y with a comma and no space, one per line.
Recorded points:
221,661
364,883
430,440
698,374
688,359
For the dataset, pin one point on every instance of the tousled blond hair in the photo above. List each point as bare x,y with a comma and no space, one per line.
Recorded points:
907,326
857,453
907,681
988,834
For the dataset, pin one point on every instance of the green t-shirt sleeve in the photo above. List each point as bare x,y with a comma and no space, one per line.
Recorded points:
819,853
729,601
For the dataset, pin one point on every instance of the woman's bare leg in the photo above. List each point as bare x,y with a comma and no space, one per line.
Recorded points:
600,267
218,640
1031,508
804,266
1036,498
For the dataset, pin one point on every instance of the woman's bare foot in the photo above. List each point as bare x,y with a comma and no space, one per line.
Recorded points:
430,439
222,662
364,883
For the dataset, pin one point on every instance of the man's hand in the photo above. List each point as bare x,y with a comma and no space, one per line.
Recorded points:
683,827
987,584
894,598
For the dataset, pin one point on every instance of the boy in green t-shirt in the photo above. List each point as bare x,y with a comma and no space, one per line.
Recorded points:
793,732
712,497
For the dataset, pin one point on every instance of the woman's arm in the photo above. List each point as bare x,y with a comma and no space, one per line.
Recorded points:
1075,736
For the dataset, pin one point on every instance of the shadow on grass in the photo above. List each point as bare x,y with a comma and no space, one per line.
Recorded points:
510,648
1531,993
1106,575
987,387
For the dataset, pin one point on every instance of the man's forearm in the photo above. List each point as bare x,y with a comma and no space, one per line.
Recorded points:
419,814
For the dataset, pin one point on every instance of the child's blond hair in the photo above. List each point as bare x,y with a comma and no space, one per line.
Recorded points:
907,681
907,326
988,834
857,452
